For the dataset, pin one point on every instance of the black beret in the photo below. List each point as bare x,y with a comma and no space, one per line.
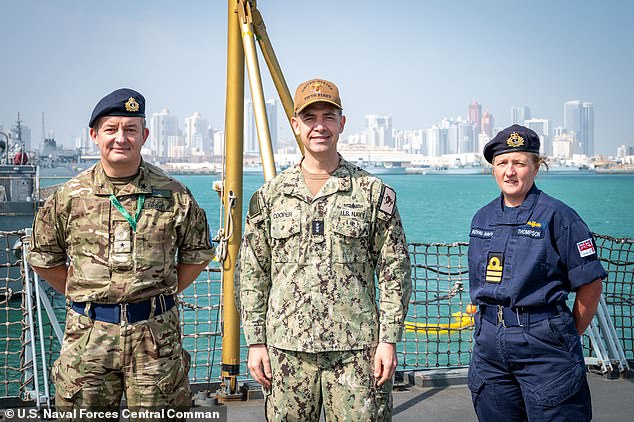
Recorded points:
512,139
121,102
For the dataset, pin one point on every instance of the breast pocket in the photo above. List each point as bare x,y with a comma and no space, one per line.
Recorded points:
155,239
350,240
89,241
530,249
285,239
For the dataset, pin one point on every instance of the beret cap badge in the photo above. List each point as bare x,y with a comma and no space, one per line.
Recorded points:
515,140
131,105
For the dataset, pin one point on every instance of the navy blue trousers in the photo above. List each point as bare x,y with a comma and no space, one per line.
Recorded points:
533,372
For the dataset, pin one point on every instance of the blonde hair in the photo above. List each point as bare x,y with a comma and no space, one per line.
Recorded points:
539,160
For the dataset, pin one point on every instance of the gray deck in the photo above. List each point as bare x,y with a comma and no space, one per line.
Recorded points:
444,397
448,399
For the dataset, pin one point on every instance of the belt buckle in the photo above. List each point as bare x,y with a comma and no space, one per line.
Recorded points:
501,316
123,318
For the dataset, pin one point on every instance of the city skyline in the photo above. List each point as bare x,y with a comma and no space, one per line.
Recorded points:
174,137
418,64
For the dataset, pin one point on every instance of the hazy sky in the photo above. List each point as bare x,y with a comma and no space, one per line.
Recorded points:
419,61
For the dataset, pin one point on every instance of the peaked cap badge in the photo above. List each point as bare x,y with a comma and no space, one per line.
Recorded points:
131,105
515,140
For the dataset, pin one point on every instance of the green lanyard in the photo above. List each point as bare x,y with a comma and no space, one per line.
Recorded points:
139,205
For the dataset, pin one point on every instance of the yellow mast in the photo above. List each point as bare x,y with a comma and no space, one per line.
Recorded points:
232,200
240,40
274,68
257,93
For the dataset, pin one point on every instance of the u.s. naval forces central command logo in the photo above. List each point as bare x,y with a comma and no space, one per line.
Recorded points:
515,140
131,105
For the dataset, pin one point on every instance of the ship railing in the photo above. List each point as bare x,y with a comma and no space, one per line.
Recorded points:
438,330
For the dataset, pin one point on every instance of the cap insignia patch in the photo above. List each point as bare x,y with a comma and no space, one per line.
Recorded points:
515,140
316,86
131,105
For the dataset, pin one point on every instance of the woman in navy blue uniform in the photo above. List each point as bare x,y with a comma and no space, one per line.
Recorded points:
527,252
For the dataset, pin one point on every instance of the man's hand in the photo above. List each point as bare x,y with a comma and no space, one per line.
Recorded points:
259,364
384,362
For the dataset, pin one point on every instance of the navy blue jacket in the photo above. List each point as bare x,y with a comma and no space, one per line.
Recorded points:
529,256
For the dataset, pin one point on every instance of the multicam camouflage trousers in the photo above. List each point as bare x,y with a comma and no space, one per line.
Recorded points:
342,381
100,361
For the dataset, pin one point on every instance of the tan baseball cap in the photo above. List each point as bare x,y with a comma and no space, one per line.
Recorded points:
314,91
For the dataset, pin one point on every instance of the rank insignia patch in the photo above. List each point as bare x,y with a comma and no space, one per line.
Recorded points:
318,227
495,267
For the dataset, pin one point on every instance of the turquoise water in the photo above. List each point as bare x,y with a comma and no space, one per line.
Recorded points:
438,208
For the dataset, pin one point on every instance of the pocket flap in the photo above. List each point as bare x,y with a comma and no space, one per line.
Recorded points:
283,228
66,383
350,227
562,387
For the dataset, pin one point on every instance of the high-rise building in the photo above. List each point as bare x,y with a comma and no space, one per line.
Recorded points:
519,114
197,140
162,126
563,146
411,141
378,131
624,151
433,135
251,142
475,116
542,128
219,142
587,125
483,139
458,136
559,131
488,123
579,119
271,114
467,137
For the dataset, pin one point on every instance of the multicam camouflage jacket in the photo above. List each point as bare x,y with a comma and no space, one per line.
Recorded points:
110,262
307,264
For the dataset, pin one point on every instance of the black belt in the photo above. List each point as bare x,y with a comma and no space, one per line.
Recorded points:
129,312
518,317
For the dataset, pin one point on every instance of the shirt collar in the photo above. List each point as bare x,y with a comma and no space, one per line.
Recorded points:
524,211
139,185
340,180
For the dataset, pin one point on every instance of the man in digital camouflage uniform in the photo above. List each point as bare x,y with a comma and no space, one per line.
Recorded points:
133,238
315,237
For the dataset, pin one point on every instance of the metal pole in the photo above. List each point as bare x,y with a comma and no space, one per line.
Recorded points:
274,68
26,241
257,93
232,198
31,351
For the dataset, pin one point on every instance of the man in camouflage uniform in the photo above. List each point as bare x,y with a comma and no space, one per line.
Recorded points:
133,238
315,237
